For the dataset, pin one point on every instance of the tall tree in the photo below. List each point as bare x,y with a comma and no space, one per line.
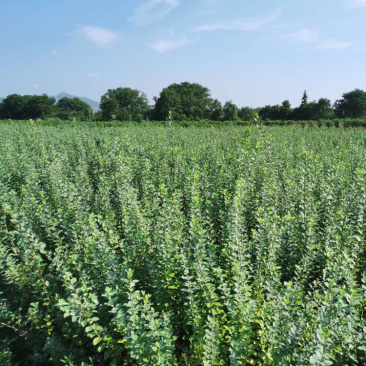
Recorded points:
230,111
247,113
12,106
303,111
123,104
191,100
304,100
39,106
322,109
69,108
285,110
216,111
352,104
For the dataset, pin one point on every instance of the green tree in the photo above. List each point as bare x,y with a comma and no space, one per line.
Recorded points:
322,109
304,100
16,106
12,106
108,109
189,99
124,103
303,111
247,113
277,112
70,108
352,104
216,111
271,112
38,106
285,110
230,111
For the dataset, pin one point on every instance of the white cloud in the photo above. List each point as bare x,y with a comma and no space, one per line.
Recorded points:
334,45
162,46
93,75
36,86
243,25
151,11
304,35
356,3
100,37
312,37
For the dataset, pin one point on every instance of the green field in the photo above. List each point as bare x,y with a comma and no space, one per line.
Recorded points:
144,245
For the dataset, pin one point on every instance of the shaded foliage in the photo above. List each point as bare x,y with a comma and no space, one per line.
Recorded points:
189,99
124,104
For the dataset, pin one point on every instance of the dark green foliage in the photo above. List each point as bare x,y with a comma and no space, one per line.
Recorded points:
247,114
274,113
216,111
313,111
189,99
12,107
27,106
277,112
230,111
352,105
185,102
123,104
74,108
146,245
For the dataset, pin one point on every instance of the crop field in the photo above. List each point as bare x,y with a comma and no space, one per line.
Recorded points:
186,246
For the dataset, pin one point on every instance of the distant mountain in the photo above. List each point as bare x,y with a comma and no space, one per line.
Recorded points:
92,103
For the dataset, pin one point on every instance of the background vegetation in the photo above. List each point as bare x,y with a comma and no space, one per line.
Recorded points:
140,245
186,102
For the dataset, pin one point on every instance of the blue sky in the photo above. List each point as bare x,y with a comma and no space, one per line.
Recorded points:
252,52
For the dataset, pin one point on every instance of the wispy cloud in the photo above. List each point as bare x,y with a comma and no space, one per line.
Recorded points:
311,37
334,45
92,75
304,35
36,86
100,37
162,46
151,11
242,25
356,3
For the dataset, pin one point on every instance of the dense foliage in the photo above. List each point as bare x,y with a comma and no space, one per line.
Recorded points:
73,108
184,102
157,246
16,106
124,104
19,107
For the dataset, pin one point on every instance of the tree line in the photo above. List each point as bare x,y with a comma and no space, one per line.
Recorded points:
185,101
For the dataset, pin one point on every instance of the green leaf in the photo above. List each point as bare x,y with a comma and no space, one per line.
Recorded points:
96,340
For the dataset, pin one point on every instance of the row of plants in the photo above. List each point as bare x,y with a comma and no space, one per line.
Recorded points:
145,245
339,123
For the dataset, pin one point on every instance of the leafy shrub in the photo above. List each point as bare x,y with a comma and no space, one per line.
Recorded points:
142,245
